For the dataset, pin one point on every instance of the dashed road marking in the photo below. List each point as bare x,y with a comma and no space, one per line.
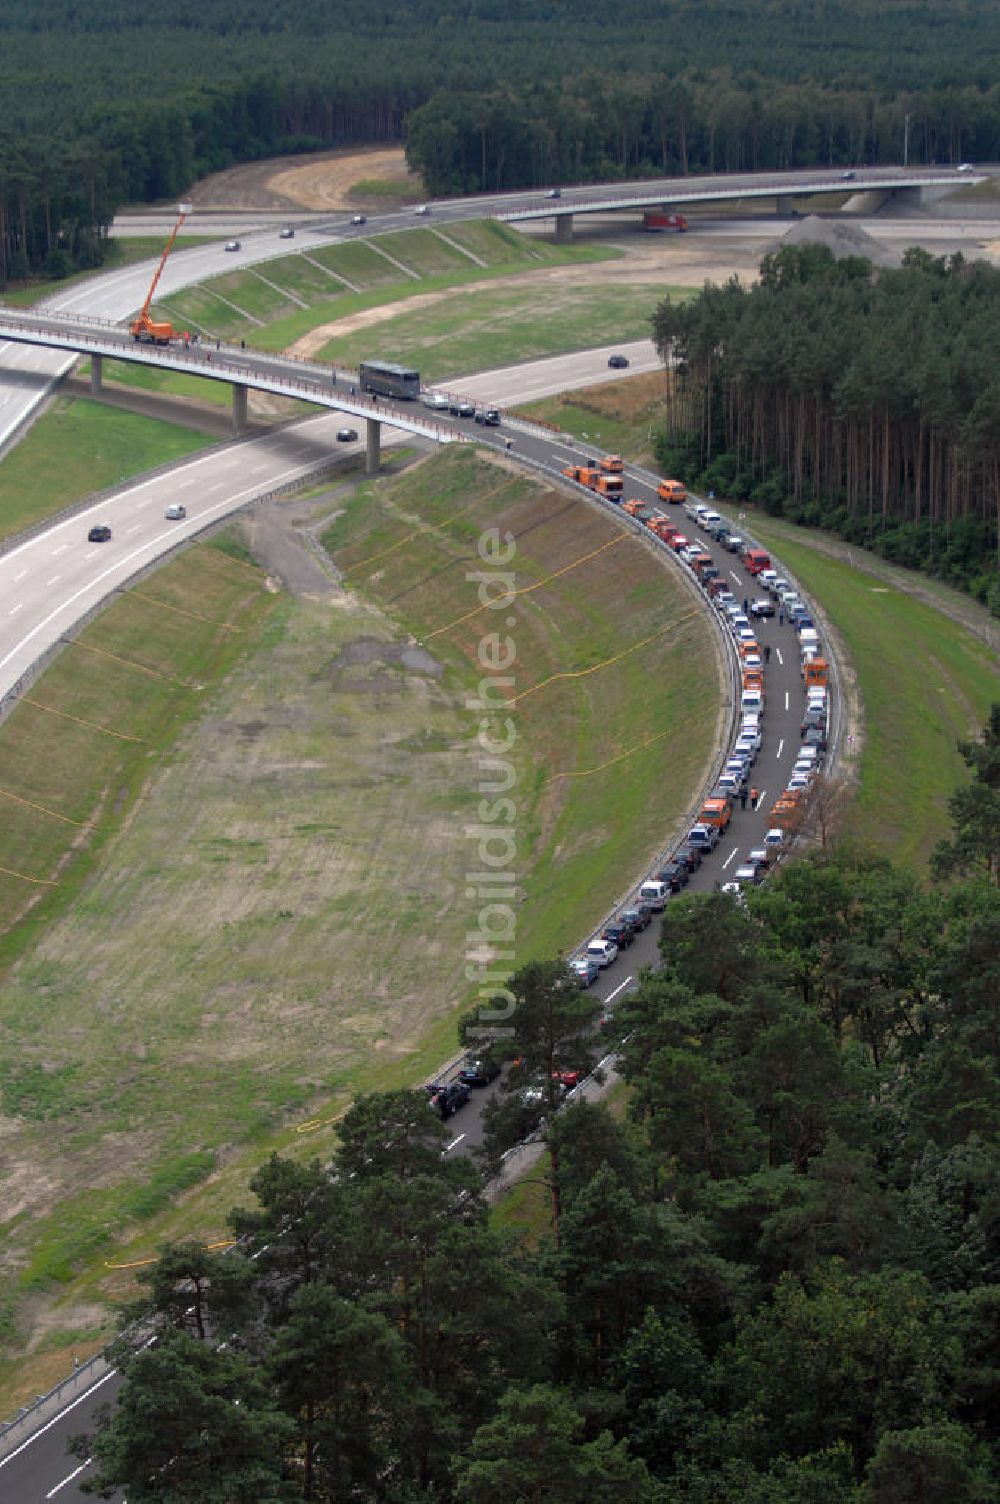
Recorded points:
777,654
730,857
69,1478
780,745
621,986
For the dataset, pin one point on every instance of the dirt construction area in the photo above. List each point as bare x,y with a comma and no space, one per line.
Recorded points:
327,180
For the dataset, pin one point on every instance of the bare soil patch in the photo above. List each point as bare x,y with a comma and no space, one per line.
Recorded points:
311,181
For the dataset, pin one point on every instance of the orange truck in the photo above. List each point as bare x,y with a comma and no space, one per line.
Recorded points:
671,490
610,486
816,672
613,464
636,508
717,812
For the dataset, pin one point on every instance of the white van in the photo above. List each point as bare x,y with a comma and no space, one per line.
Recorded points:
752,699
655,894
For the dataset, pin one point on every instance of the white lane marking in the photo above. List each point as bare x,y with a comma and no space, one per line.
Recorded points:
733,575
621,986
760,798
780,745
777,654
454,1143
786,699
112,1373
15,609
69,1478
60,550
53,580
730,857
133,529
20,576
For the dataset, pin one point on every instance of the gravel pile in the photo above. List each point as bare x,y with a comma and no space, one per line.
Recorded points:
842,238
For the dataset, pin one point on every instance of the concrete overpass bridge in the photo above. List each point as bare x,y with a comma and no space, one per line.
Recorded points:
673,194
242,369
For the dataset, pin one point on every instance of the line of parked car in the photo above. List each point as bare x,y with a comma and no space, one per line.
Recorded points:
776,597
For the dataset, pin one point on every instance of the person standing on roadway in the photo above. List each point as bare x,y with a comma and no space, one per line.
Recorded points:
754,797
767,652
743,797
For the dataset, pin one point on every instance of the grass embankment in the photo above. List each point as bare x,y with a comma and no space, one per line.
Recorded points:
925,681
277,302
80,447
618,415
283,922
74,757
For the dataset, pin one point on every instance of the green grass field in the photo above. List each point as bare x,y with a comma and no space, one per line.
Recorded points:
78,448
279,972
337,281
925,681
475,330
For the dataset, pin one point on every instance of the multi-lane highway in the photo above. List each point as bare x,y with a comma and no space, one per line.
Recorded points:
49,582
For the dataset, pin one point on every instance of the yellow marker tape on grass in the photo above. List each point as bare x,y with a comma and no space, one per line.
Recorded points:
589,772
39,882
144,1263
612,543
181,610
581,673
91,725
154,673
41,808
430,527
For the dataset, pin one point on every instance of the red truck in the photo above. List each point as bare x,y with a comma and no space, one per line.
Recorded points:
756,559
659,219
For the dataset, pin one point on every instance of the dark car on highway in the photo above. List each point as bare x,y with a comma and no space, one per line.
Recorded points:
676,875
489,416
479,1070
346,435
815,737
447,1098
621,934
99,534
690,856
618,362
462,409
639,919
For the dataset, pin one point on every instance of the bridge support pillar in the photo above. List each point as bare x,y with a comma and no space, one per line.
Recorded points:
564,229
373,436
96,371
784,205
239,410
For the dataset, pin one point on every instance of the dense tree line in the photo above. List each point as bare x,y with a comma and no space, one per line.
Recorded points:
866,401
489,93
773,1281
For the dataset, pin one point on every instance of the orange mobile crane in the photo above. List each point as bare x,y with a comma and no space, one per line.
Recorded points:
148,331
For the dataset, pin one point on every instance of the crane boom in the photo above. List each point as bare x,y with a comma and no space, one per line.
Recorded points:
142,326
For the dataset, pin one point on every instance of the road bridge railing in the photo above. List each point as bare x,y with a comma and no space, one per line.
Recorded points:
279,375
